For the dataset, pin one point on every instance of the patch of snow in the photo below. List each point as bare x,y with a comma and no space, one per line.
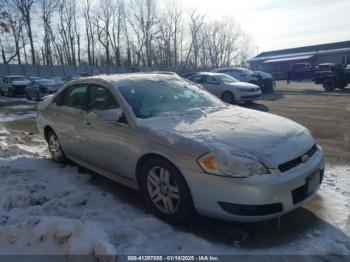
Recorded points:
17,117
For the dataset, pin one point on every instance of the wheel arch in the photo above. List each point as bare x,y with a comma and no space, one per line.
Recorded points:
143,160
228,91
47,129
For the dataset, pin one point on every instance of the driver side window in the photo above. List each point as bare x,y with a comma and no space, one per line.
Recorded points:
210,80
100,99
72,97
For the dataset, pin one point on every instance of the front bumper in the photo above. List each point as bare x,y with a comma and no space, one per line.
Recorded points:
248,96
258,198
19,89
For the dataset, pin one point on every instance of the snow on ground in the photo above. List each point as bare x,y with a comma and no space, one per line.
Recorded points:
15,117
46,208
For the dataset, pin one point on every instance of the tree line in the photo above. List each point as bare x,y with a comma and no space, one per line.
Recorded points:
148,33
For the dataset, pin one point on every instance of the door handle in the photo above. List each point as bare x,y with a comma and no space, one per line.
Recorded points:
87,123
57,115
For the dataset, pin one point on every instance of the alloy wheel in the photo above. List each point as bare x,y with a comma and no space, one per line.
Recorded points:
55,148
163,190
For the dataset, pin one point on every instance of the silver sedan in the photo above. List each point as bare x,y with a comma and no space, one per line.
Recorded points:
182,147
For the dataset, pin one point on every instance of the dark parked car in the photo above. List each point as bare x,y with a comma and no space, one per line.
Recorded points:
42,87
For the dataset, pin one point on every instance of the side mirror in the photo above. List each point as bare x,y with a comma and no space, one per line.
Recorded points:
111,115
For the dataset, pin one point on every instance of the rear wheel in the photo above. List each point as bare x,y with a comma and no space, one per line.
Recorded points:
28,96
2,93
342,85
228,97
166,191
11,93
329,84
55,148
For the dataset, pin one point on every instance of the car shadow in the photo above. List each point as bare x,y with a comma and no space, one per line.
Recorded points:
336,92
256,106
273,96
297,225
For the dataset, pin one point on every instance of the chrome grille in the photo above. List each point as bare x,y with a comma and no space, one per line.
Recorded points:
297,161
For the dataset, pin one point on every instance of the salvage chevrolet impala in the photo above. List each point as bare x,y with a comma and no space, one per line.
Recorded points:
185,149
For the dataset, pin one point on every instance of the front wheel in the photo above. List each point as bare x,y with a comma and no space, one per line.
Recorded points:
329,84
166,191
28,96
37,97
11,93
228,97
342,85
55,148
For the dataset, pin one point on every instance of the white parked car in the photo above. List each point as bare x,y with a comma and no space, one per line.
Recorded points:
262,79
227,88
42,87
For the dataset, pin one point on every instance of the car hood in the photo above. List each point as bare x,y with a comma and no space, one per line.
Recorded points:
21,83
235,131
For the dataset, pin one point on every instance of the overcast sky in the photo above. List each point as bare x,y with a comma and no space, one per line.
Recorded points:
279,24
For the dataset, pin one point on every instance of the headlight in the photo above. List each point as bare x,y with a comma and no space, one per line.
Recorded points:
235,166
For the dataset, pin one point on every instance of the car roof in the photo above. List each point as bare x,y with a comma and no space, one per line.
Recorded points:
208,74
128,78
15,76
230,68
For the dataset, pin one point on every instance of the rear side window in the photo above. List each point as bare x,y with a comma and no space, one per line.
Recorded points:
209,79
196,79
72,97
100,99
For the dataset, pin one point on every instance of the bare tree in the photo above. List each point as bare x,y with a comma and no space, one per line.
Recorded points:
48,7
89,32
25,7
197,22
143,21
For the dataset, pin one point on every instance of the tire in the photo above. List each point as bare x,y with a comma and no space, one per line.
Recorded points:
28,96
55,148
11,93
166,192
228,97
37,97
329,84
2,93
342,85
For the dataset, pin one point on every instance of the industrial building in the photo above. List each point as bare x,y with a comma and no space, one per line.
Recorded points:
280,61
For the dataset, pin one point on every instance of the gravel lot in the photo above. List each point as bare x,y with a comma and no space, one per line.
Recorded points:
325,114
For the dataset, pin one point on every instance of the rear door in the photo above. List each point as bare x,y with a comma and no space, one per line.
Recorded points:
66,110
211,84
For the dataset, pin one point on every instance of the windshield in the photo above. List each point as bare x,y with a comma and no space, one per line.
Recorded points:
17,78
46,82
150,98
226,79
246,71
